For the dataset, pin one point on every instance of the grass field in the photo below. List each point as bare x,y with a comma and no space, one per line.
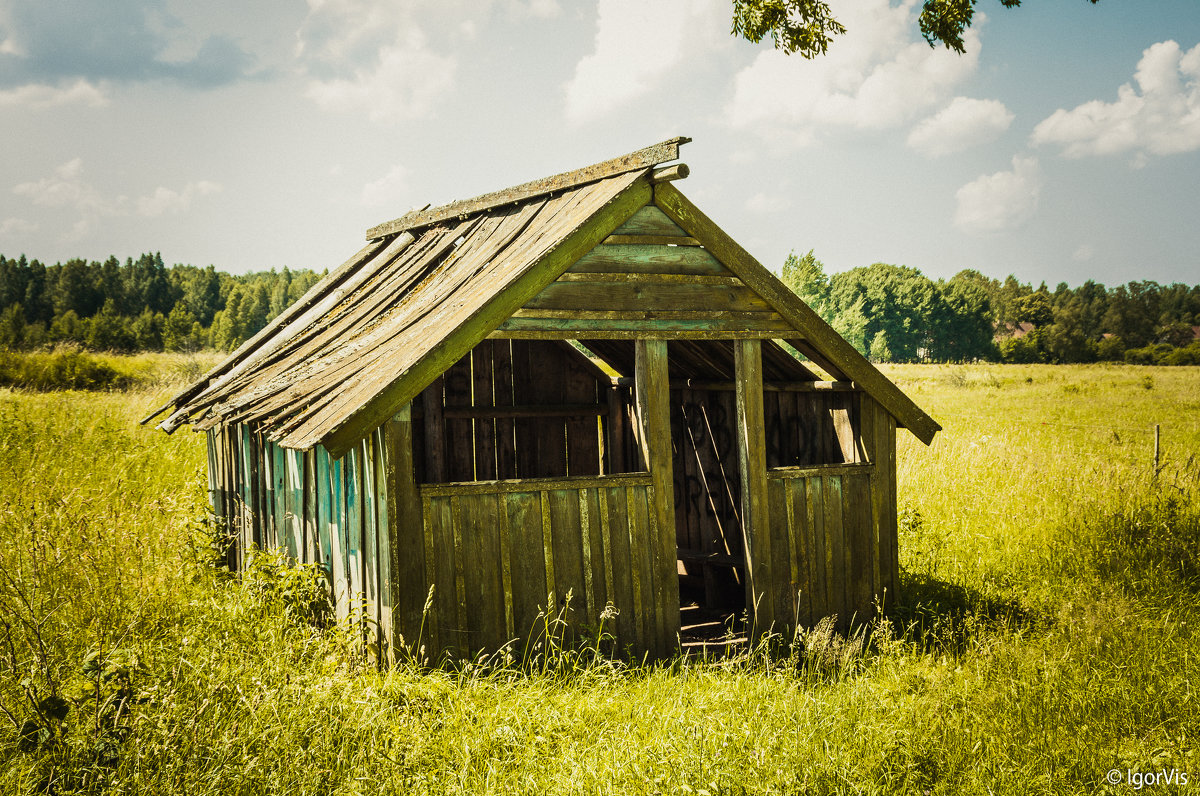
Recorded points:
1046,634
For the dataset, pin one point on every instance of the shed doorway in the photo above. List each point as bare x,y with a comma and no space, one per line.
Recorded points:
708,523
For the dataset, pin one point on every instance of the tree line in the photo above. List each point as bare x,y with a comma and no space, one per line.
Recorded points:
894,313
891,313
138,305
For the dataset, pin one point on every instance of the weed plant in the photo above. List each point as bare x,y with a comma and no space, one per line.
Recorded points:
1045,634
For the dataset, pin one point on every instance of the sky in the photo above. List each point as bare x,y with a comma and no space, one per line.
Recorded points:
1063,146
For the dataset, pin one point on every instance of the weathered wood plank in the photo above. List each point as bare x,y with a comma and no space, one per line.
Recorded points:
800,537
649,240
650,221
626,258
568,555
643,296
502,379
822,605
483,399
763,324
709,280
536,484
819,470
639,512
652,401
761,568
614,515
460,447
816,331
435,432
784,586
835,550
634,161
383,548
860,543
443,556
527,554
337,538
704,334
406,532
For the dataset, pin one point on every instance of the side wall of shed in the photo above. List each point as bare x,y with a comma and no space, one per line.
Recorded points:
315,509
833,533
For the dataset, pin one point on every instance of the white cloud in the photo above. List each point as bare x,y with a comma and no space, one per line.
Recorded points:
66,188
1161,116
879,75
963,123
167,200
35,95
638,44
16,227
1000,201
1083,253
388,189
404,83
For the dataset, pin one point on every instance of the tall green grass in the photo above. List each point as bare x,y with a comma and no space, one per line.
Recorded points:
1045,635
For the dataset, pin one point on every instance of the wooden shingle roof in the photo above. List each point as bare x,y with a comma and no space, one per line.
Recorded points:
432,284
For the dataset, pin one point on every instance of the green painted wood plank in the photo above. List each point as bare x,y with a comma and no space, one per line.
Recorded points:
713,327
528,561
643,296
650,221
643,259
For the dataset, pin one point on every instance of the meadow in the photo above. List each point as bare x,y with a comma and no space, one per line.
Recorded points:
1046,634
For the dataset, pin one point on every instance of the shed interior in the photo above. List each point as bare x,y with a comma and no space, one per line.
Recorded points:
554,409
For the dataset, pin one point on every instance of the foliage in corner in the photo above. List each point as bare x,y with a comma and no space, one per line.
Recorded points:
808,26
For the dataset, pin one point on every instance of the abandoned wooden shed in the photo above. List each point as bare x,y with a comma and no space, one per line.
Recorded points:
580,385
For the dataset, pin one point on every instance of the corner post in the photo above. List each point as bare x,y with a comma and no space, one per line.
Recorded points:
752,466
653,407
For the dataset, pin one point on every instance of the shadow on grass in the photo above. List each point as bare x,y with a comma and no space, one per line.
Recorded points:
947,617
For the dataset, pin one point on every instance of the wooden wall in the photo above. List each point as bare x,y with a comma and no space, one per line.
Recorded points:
332,512
502,558
833,533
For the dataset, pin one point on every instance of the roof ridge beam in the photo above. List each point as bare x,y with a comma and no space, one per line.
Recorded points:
634,161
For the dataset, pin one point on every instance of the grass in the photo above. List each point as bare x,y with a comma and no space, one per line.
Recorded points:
1046,633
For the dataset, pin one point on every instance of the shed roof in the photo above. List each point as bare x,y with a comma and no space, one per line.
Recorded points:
432,284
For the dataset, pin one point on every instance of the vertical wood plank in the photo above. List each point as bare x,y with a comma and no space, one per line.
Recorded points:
460,445
638,510
444,560
506,567
370,548
752,466
435,432
406,531
526,429
528,560
800,535
815,510
653,408
835,550
382,506
784,586
583,443
482,395
619,563
502,378
861,543
568,554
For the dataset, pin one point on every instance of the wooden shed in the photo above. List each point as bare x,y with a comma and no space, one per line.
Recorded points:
578,386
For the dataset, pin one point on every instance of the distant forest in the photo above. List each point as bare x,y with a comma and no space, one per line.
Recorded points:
894,313
890,313
138,305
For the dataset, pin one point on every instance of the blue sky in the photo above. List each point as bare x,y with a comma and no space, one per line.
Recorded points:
1065,145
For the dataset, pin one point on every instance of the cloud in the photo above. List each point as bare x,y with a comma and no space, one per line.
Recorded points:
388,189
1000,201
1083,253
1161,116
879,75
166,200
67,188
16,227
40,96
363,55
48,47
963,123
637,45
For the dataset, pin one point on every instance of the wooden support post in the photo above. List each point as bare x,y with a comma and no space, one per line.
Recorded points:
752,463
406,537
652,402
